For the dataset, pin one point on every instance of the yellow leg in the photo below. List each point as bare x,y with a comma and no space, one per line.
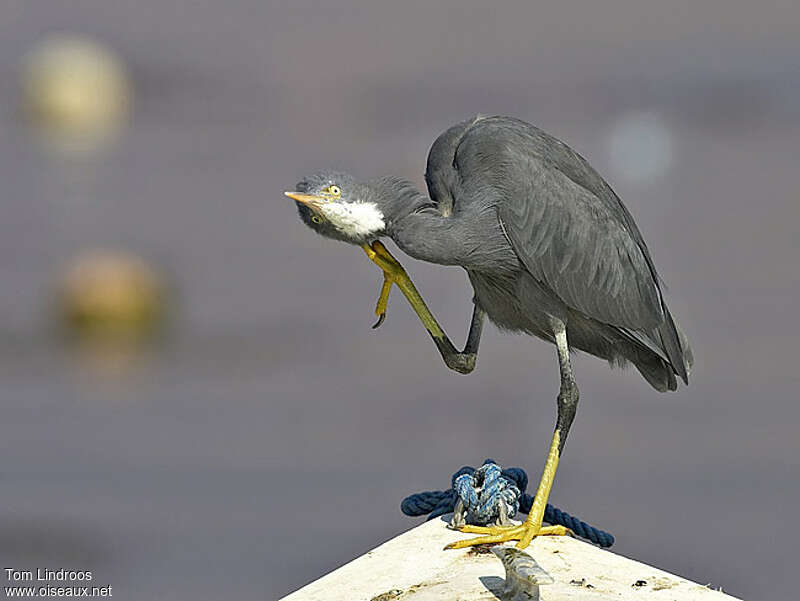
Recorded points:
532,526
393,273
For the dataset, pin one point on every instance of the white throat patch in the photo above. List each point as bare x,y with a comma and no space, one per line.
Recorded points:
354,219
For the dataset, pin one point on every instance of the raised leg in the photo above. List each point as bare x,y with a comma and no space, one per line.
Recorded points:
532,526
394,274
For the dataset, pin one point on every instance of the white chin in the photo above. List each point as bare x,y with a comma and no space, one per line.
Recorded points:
355,219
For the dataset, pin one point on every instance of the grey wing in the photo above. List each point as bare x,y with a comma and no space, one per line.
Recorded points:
579,250
563,233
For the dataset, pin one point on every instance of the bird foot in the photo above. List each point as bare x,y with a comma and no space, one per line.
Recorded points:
523,533
392,273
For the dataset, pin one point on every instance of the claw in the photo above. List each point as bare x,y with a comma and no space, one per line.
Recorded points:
383,300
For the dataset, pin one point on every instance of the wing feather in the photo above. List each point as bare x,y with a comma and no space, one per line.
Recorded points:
565,224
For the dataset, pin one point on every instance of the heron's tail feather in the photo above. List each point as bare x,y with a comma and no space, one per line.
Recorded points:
658,373
675,345
660,355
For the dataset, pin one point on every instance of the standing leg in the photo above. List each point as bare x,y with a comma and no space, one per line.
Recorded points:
393,274
567,405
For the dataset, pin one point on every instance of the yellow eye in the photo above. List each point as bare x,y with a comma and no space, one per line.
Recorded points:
335,191
316,219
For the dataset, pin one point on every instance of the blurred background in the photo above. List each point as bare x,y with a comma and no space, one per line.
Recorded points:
194,405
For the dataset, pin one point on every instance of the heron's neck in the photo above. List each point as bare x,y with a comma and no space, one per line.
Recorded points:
397,199
423,234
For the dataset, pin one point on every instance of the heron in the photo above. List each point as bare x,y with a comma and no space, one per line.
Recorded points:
549,250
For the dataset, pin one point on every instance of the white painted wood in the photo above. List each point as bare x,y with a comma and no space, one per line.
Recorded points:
414,567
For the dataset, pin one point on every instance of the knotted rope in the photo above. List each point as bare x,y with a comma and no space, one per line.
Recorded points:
483,490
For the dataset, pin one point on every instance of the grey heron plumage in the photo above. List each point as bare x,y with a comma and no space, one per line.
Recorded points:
549,248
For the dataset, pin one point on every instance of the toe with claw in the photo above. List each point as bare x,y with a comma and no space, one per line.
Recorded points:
392,273
524,533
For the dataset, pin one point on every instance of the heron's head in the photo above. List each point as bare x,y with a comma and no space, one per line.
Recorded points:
336,206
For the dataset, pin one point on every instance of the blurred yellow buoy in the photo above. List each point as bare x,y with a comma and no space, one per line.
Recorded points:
76,93
111,294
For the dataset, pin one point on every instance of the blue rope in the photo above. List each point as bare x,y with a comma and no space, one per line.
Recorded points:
482,491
